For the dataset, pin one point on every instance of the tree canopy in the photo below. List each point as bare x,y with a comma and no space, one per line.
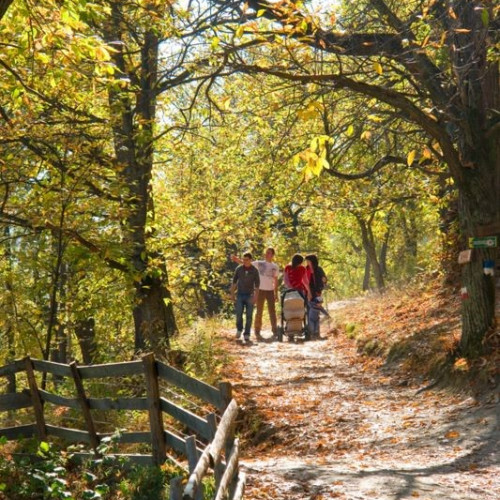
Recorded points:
142,143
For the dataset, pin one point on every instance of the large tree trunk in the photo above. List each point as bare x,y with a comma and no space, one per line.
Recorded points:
133,125
479,148
153,316
478,207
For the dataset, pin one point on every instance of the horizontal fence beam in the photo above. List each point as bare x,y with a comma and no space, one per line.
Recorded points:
173,441
194,386
12,368
15,401
197,388
96,403
132,458
90,371
189,419
125,369
118,403
20,431
195,423
57,400
50,367
71,435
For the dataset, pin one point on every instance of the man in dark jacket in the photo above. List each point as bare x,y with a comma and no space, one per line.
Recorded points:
245,283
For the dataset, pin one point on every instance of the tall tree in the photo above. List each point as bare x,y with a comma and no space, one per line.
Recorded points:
433,62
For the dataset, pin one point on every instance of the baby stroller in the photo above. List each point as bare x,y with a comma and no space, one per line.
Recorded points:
293,316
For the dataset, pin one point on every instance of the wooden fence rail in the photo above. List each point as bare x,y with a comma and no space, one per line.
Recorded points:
220,454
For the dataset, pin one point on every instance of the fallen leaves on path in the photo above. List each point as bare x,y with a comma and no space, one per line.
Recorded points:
319,421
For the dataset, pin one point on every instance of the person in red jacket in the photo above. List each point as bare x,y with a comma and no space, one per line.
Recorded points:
295,276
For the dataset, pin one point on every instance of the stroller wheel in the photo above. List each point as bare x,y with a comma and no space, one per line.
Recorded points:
279,334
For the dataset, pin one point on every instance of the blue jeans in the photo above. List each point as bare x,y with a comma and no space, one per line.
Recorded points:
313,320
244,302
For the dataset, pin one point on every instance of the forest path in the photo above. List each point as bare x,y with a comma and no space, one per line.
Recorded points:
319,422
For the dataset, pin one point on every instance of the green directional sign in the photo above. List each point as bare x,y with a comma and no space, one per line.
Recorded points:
485,242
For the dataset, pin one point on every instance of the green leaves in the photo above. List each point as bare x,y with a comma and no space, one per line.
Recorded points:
485,17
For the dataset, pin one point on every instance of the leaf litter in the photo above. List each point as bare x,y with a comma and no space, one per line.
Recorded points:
322,420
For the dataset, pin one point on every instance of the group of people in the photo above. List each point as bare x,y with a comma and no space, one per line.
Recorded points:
255,282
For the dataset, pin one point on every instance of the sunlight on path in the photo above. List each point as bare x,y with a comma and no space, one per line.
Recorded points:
318,424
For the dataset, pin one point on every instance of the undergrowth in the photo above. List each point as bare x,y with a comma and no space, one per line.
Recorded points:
47,470
414,332
32,470
198,352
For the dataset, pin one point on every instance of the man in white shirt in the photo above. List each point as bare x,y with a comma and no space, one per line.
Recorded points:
268,291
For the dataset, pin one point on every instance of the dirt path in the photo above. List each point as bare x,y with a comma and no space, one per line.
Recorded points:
319,424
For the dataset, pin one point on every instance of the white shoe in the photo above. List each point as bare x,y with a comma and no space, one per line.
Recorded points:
238,334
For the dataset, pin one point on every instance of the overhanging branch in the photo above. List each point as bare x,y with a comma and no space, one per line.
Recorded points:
411,112
382,162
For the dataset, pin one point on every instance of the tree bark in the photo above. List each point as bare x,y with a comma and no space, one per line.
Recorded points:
133,132
479,148
371,252
367,274
85,333
4,5
11,313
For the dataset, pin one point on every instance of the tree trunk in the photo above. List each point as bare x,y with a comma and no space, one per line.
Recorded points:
367,274
11,313
4,5
477,207
85,333
133,125
479,184
383,253
371,252
154,314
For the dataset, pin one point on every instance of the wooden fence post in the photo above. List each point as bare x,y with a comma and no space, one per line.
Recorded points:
226,390
218,467
36,400
229,479
154,407
84,404
175,488
192,455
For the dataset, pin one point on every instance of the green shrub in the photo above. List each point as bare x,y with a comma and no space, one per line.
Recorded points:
351,330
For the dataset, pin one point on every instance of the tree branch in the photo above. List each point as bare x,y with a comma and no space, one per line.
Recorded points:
386,160
411,112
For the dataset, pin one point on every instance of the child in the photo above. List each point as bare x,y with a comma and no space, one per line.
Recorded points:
315,309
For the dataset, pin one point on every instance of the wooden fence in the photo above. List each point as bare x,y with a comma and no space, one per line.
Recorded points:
220,455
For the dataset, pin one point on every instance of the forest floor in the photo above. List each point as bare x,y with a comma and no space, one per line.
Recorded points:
343,417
